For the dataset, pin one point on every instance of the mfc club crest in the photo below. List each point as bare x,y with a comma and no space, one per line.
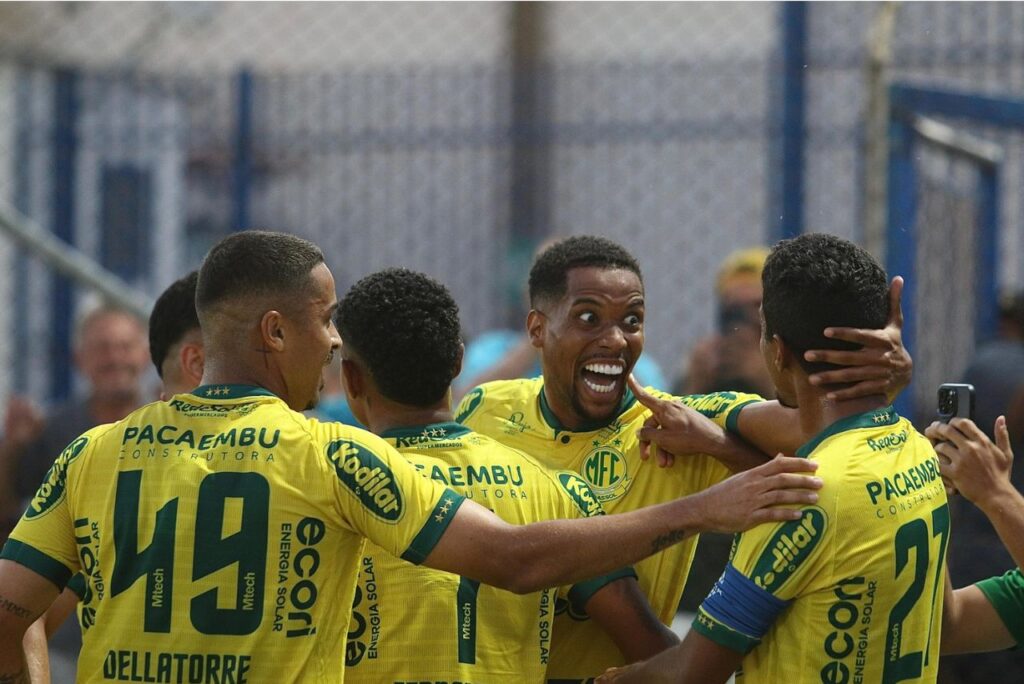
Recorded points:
607,471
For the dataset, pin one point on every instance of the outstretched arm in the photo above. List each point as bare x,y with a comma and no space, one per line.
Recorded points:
527,558
980,470
970,623
676,429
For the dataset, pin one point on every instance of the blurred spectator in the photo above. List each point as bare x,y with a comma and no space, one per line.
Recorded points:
111,353
731,358
728,360
997,373
976,553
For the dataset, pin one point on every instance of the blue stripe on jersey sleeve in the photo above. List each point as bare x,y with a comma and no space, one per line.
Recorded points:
739,604
37,561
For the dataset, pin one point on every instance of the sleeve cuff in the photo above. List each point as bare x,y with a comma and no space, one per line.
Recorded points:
1006,594
77,585
37,561
707,626
437,522
732,420
581,592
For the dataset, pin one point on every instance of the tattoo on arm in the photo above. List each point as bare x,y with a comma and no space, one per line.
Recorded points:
12,607
666,540
15,678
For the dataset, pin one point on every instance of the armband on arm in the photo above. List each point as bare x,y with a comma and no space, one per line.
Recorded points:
737,613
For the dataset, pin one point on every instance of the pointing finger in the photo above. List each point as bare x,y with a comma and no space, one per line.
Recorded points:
643,396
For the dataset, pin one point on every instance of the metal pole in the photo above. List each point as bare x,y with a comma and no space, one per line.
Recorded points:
72,263
986,304
65,155
794,49
242,171
901,237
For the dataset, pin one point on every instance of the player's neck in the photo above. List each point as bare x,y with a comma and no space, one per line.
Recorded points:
384,414
817,412
233,370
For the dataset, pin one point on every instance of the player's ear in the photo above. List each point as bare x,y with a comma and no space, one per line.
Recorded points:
192,359
272,330
458,360
535,325
352,379
780,353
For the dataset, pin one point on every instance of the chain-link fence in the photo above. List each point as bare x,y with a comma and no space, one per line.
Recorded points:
448,137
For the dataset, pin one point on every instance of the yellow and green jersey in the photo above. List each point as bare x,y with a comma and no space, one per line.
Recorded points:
852,591
219,535
607,456
1006,594
414,624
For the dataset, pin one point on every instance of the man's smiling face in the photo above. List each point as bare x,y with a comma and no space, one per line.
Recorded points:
589,341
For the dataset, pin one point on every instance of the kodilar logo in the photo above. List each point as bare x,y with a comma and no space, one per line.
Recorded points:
788,548
469,404
581,493
54,486
368,477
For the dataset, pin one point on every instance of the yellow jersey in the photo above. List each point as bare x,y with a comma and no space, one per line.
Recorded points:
607,456
219,535
414,624
852,591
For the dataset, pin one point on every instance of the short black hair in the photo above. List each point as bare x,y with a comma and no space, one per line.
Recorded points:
815,281
404,326
255,262
173,317
550,272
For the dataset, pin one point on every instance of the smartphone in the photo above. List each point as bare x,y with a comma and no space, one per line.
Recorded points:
956,400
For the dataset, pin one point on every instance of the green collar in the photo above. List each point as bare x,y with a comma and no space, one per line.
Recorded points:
434,430
875,418
230,392
552,420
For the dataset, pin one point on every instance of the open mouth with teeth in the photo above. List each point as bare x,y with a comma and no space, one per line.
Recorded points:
604,377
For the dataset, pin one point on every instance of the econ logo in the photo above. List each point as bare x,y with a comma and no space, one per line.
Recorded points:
789,548
368,477
580,491
54,486
469,404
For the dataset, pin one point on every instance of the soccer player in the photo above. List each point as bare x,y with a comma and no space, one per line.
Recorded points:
989,615
853,590
175,339
401,348
221,532
587,319
176,348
